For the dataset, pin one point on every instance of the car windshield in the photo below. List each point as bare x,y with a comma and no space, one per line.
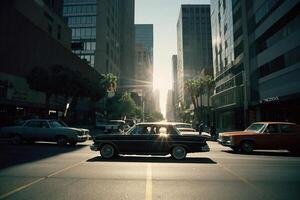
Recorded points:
183,125
255,127
56,124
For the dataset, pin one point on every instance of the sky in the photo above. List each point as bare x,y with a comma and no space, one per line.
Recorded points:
163,14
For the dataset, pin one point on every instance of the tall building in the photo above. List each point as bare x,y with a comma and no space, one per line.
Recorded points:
36,35
255,63
127,43
101,32
194,44
228,64
170,106
144,36
143,68
273,61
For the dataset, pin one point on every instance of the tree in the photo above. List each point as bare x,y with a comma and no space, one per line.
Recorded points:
122,105
191,87
209,84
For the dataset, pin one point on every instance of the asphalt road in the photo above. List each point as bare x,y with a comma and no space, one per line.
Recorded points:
46,171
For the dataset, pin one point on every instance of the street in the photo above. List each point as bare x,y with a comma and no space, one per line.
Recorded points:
47,171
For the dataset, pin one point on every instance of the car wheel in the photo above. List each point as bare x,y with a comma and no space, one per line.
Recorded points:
178,152
107,151
30,141
235,149
294,151
16,139
72,143
247,147
61,140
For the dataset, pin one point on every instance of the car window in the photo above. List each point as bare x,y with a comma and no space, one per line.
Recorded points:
44,124
141,130
272,128
287,128
33,124
55,124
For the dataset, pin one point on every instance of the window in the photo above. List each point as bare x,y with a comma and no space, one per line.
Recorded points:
272,128
44,124
93,45
33,124
287,128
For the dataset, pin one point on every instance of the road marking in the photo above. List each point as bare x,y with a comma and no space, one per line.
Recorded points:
23,187
246,181
148,195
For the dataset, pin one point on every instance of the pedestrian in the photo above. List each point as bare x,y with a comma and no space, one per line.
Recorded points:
200,127
213,132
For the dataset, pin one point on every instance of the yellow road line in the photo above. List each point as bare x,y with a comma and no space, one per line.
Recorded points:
148,195
23,187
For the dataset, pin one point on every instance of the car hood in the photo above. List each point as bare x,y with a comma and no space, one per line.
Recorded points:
74,129
235,133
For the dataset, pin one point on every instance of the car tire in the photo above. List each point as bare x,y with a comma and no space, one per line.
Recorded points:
107,151
61,140
16,139
294,151
178,152
235,149
72,143
247,147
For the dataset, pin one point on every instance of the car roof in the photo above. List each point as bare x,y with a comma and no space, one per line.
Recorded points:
41,120
155,123
274,123
179,123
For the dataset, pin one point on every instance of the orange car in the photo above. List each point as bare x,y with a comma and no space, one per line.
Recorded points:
263,135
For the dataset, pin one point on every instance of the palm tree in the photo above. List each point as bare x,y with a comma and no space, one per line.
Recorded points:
191,87
209,83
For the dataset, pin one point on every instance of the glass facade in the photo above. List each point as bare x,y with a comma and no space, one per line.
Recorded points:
194,43
81,17
144,36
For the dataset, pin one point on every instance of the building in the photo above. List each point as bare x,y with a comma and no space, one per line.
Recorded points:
255,65
273,62
144,36
143,73
228,64
170,114
102,33
127,43
38,45
144,52
194,44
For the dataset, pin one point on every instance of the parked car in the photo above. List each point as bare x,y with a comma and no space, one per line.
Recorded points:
112,126
191,131
263,135
45,130
150,138
130,122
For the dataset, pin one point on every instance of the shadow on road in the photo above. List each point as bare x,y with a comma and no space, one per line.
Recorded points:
153,159
11,155
265,153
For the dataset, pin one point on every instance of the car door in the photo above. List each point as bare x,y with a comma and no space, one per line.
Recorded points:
161,139
136,141
32,130
269,139
45,131
290,137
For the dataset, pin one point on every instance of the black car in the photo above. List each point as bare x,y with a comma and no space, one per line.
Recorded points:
150,138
